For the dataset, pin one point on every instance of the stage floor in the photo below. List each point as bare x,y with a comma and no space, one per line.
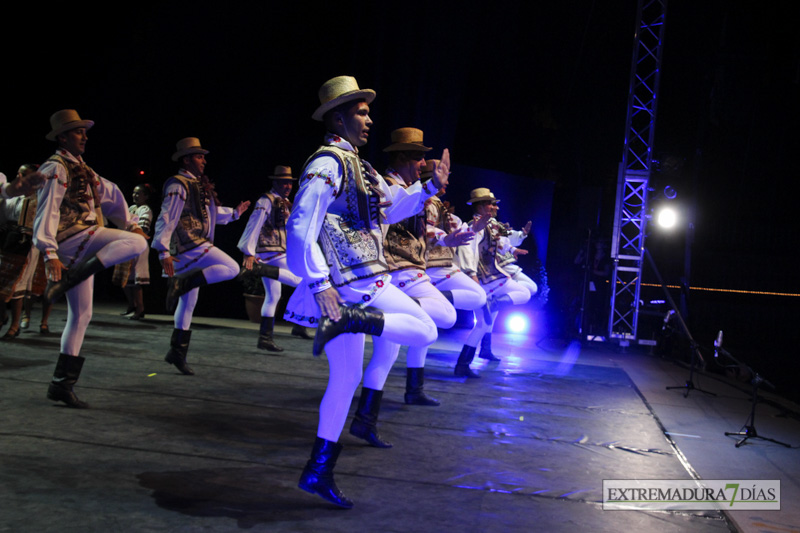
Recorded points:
524,448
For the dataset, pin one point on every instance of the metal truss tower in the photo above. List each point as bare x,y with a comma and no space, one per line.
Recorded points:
630,222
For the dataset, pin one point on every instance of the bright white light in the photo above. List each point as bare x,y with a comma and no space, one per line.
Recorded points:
667,218
517,323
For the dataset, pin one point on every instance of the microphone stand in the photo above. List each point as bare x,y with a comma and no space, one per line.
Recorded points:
748,430
696,355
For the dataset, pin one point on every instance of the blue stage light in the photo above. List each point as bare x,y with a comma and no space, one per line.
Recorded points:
517,323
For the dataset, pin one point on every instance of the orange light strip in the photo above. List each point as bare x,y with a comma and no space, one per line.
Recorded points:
734,291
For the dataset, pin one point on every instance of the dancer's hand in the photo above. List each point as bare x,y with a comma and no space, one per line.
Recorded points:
480,223
329,301
527,229
53,269
459,238
248,261
518,252
169,268
441,171
242,207
139,231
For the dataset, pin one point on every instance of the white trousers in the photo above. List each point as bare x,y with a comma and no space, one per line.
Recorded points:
443,314
110,246
272,287
216,266
404,323
515,292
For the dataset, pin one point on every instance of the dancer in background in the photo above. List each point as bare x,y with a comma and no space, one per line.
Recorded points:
263,244
69,231
481,262
184,239
136,273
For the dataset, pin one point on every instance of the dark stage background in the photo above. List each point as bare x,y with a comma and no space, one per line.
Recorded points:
531,90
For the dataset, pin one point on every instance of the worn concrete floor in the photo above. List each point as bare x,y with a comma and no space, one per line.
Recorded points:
525,448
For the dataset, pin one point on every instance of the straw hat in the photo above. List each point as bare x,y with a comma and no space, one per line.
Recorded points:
282,173
188,146
65,120
339,90
407,140
481,194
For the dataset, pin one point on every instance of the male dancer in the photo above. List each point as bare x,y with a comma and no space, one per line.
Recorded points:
406,249
341,204
68,230
480,261
185,235
509,263
263,244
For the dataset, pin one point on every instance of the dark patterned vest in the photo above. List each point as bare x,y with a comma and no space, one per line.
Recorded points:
272,237
195,222
76,207
438,215
499,229
488,268
351,236
405,242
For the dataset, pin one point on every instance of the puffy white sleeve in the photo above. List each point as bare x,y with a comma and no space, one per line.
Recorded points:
113,204
171,208
249,239
49,197
319,184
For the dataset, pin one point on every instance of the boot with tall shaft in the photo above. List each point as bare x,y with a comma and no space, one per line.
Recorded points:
317,476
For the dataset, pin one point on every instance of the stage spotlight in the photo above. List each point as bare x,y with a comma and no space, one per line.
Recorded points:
517,323
670,193
667,217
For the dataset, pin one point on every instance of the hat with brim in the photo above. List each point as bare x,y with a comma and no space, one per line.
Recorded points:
481,194
65,120
407,140
282,173
188,146
339,90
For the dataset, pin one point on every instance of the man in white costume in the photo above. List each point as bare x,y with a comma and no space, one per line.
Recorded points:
335,243
263,244
69,232
481,261
184,239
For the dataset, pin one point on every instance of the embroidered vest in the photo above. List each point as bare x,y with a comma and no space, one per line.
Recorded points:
499,229
195,222
272,237
438,256
488,268
76,206
405,242
351,236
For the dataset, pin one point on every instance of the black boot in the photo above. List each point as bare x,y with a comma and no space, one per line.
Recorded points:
71,277
354,320
68,369
178,348
464,360
317,476
180,285
486,349
415,379
365,421
265,340
300,331
265,271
